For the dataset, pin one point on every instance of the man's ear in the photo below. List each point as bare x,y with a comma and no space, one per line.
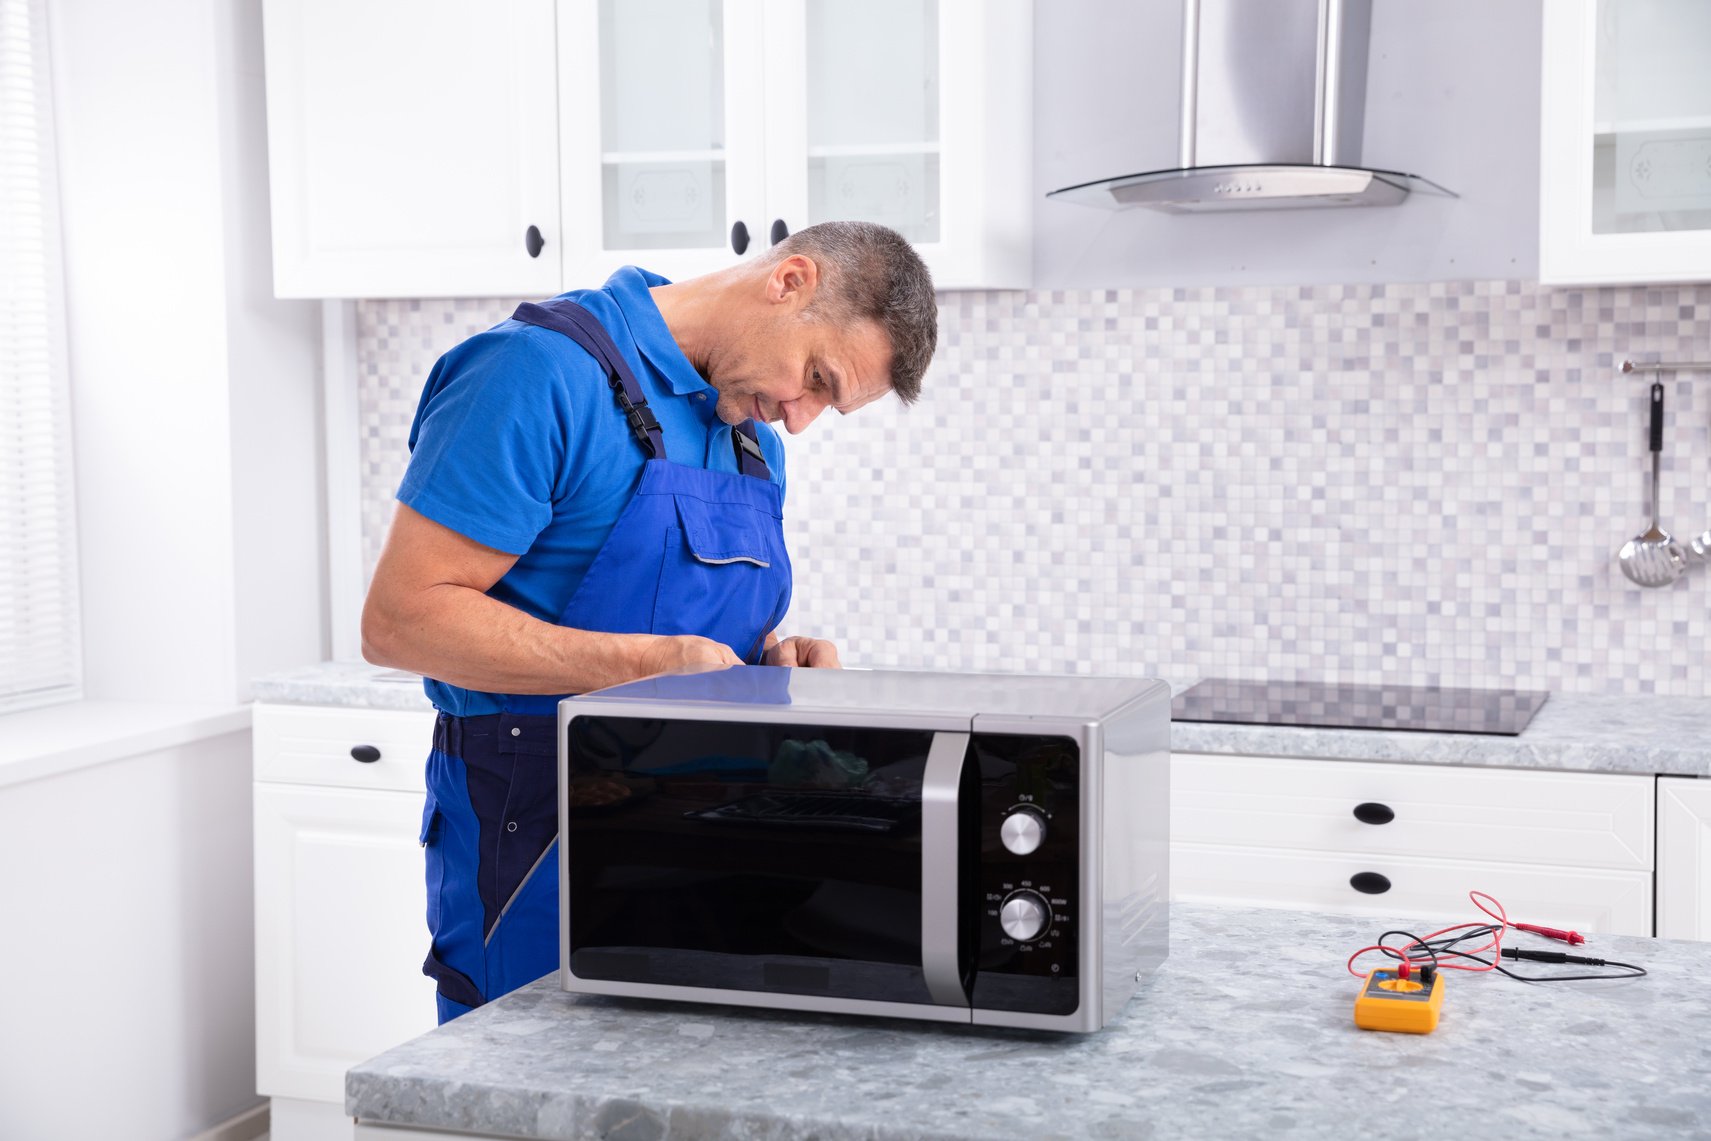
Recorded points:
793,281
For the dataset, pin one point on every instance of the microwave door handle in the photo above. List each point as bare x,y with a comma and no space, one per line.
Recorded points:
940,874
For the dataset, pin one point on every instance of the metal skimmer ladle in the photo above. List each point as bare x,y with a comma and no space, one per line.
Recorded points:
1653,558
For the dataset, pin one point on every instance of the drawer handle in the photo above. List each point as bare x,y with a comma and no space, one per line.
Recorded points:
1374,813
1369,883
533,242
367,754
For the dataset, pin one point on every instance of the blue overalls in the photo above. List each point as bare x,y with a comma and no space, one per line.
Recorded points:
693,552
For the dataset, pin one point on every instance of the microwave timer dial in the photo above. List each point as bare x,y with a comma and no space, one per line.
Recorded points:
1024,915
1023,830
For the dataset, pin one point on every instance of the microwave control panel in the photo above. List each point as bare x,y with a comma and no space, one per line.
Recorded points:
1027,926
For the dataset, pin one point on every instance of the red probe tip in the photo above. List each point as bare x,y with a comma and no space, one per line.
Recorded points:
1572,938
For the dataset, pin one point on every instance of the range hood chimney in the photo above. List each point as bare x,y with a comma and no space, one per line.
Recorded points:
1273,103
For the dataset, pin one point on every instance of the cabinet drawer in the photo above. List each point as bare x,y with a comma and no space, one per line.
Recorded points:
1612,902
305,744
1591,820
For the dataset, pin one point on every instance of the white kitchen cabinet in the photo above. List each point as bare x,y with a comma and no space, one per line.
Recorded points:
1560,849
692,123
340,902
412,146
1684,858
1625,160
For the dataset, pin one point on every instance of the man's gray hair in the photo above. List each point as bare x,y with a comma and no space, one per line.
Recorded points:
870,273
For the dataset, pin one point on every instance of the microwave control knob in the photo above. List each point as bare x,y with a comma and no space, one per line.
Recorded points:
1023,831
1024,916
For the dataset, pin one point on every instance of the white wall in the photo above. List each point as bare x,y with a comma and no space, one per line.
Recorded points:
127,886
194,393
130,1008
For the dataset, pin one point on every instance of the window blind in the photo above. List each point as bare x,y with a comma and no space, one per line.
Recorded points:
40,648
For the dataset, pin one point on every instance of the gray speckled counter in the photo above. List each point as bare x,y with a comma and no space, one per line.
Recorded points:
1575,732
351,684
1246,1031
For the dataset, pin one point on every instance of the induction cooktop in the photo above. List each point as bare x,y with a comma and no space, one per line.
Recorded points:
1425,709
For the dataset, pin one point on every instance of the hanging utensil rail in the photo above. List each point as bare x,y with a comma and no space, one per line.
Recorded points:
1667,366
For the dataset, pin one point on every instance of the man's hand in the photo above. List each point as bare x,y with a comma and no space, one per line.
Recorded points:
669,653
815,652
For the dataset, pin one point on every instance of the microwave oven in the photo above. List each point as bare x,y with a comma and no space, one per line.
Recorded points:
990,849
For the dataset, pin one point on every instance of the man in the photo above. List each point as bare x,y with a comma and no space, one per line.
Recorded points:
594,495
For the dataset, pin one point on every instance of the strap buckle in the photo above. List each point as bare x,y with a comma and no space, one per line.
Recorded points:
641,419
637,412
745,444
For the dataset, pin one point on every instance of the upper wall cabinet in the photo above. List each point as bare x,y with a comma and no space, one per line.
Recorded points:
1625,171
462,149
413,148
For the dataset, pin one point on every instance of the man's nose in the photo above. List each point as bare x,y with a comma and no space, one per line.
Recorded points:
802,411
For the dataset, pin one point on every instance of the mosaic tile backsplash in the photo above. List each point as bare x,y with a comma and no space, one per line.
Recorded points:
1413,484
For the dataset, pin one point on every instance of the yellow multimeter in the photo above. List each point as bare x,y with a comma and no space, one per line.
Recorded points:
1405,1005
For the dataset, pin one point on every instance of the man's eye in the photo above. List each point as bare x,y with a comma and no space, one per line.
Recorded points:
817,379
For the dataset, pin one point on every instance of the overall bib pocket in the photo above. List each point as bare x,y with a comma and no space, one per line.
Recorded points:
719,573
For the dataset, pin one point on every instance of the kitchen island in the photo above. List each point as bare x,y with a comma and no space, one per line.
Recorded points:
1247,1030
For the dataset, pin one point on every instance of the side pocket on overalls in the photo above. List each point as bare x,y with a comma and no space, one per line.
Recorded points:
457,992
433,861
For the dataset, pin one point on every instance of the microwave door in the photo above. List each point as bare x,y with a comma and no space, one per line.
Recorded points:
745,856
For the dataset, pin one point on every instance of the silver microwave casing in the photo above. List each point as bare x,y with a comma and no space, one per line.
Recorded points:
1122,726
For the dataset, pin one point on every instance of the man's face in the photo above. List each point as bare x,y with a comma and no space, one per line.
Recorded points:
788,368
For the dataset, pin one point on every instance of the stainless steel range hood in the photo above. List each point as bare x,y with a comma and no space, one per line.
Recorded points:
1273,103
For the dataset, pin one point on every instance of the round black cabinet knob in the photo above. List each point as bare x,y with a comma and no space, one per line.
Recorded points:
1369,883
367,754
739,238
779,231
533,242
1374,813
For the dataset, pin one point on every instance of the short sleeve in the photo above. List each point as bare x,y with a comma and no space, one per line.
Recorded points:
489,445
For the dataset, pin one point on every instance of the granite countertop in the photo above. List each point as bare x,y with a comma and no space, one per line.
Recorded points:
1573,732
1247,1030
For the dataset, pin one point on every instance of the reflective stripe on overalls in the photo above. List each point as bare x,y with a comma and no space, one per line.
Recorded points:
694,552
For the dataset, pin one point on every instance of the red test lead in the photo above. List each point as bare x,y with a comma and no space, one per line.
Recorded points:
1572,938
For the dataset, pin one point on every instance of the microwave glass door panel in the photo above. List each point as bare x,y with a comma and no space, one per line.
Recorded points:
787,858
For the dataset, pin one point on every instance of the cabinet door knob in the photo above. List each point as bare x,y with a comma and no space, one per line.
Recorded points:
367,754
533,242
1369,883
1374,813
739,238
779,231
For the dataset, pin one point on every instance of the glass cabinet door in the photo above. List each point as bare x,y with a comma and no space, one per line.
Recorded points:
873,114
1651,111
1625,113
662,134
860,139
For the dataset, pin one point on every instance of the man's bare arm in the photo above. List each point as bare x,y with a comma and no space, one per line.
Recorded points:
427,611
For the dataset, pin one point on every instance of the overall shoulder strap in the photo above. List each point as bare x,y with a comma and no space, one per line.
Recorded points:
565,316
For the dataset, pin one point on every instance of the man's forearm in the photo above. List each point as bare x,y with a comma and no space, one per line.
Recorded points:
460,636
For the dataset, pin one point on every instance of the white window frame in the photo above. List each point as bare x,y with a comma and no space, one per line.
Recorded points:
41,659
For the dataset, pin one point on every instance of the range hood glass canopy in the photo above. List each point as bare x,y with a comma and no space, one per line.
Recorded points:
1273,103
1274,186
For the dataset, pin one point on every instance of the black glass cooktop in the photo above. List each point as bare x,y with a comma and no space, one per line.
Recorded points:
1425,709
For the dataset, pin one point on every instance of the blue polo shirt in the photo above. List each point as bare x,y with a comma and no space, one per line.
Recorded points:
519,445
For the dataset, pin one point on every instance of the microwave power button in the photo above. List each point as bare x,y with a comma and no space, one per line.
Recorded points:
1024,915
1023,831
